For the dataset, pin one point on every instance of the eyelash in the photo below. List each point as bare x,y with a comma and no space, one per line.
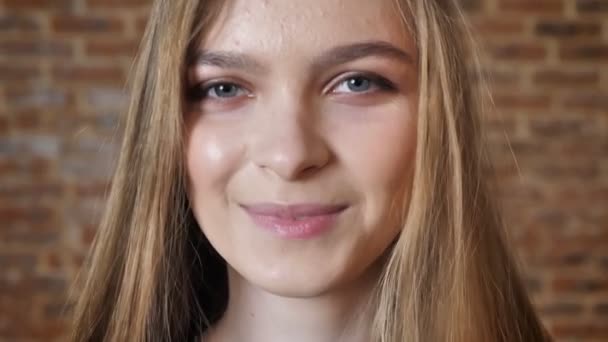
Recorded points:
199,91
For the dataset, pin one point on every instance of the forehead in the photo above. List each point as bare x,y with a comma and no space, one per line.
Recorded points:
293,28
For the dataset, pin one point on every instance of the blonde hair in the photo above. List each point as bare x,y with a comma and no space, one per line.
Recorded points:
152,276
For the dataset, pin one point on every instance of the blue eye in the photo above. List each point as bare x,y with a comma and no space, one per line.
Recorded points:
216,91
223,90
358,84
362,84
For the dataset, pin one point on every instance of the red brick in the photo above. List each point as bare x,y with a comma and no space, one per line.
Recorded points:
18,23
572,284
517,51
88,235
31,192
4,126
50,329
8,167
472,6
14,72
111,48
522,101
91,190
86,24
506,79
89,74
559,78
492,26
35,97
567,256
601,309
38,4
531,6
58,308
78,259
560,127
31,214
140,24
35,48
25,167
587,101
561,309
120,4
573,329
582,146
568,28
28,121
592,6
589,52
563,170
21,261
39,237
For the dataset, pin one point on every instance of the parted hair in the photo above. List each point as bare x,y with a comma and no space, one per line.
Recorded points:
449,276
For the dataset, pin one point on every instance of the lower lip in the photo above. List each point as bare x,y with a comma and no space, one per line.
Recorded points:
303,228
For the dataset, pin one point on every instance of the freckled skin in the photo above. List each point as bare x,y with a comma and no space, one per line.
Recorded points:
291,142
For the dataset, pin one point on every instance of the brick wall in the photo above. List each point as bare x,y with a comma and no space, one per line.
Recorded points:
62,70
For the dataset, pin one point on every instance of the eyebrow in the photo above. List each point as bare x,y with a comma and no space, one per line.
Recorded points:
348,53
338,55
227,60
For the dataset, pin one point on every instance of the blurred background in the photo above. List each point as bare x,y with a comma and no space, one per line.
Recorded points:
63,66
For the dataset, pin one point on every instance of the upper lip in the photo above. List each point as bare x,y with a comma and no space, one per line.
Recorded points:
294,210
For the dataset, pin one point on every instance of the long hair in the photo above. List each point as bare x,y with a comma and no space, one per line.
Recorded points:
153,276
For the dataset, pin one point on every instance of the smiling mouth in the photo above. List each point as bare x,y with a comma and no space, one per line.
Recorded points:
296,221
293,211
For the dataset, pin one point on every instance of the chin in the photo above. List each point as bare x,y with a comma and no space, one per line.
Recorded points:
298,284
310,282
291,290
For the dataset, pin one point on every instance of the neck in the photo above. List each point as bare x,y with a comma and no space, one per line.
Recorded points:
255,315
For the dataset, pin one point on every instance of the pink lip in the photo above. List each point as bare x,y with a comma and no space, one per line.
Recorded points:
300,221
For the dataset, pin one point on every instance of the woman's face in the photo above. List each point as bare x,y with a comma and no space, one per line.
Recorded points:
302,102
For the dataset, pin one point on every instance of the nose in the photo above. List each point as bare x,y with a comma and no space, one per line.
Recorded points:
286,141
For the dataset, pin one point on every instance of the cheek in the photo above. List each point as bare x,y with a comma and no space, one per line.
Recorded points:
384,159
379,154
378,157
212,157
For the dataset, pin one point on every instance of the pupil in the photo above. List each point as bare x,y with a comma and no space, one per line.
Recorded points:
225,90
